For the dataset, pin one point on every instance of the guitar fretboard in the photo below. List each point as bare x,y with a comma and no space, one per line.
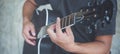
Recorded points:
76,17
67,20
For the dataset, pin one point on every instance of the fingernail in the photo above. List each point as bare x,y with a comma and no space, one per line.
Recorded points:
33,33
58,18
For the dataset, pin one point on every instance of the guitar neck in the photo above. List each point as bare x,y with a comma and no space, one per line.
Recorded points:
67,20
73,18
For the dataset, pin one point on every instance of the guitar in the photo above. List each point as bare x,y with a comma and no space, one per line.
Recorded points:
43,19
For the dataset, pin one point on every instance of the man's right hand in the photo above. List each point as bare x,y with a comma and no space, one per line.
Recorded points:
28,28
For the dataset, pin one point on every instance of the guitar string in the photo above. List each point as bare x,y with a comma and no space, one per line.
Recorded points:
69,20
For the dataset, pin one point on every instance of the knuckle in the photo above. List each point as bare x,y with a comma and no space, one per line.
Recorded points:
24,32
27,40
31,24
29,37
53,40
48,30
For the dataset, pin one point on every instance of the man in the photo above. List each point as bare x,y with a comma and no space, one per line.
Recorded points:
75,39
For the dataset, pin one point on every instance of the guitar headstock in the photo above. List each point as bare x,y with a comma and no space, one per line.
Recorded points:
85,13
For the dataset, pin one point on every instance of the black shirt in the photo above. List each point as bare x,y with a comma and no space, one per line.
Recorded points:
83,32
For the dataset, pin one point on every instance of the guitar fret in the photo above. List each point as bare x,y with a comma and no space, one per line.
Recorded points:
67,23
72,19
69,19
62,22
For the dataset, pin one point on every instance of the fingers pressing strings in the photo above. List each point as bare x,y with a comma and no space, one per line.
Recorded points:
58,26
69,31
59,29
51,31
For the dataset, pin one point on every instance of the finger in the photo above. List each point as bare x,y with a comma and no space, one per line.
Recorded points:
69,31
51,32
32,30
65,33
31,42
27,34
58,26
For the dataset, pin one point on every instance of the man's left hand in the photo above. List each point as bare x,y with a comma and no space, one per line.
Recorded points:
63,39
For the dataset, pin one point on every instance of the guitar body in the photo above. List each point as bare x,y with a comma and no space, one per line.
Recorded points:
39,21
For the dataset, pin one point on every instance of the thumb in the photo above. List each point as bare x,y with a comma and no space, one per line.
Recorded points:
32,29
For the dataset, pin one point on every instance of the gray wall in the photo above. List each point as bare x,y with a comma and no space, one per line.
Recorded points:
11,40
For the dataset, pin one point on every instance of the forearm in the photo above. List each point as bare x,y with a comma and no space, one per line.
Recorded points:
90,48
96,47
28,9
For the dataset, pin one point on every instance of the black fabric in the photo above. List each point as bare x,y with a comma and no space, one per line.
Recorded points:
29,49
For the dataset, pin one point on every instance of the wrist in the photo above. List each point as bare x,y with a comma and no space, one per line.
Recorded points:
73,48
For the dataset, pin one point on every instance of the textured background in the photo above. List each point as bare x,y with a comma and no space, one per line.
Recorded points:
11,40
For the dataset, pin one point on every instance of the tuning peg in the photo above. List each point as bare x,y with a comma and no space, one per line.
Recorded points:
81,10
95,15
106,12
87,10
90,4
